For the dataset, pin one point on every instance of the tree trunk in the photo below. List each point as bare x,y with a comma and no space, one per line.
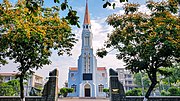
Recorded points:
153,84
22,88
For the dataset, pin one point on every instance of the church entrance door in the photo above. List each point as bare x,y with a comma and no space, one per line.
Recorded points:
87,90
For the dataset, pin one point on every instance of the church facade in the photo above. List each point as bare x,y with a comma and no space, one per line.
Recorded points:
87,79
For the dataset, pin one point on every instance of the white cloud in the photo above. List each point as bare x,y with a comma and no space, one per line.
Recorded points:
117,4
144,9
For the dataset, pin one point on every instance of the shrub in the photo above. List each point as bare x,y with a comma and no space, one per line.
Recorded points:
134,92
174,91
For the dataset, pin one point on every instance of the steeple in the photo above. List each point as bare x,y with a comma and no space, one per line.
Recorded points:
86,16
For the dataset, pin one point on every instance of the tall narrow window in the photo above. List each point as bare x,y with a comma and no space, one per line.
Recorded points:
86,41
85,62
101,87
88,63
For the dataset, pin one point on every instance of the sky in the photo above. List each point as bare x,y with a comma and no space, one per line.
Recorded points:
100,29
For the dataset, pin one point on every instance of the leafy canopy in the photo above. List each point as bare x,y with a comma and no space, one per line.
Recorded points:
28,38
146,42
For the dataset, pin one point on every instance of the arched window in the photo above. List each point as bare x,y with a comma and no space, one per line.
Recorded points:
101,87
74,87
87,86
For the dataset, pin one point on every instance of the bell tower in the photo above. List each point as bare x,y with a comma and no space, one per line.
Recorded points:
86,34
87,50
87,79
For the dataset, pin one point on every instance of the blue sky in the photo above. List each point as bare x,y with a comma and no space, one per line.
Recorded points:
100,29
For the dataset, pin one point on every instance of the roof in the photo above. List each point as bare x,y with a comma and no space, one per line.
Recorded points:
73,68
101,68
87,16
8,73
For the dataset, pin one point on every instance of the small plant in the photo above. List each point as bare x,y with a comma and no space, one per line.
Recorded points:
106,90
134,92
65,91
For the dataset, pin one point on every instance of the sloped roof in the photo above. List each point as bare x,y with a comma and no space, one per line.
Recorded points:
87,16
101,68
8,73
73,68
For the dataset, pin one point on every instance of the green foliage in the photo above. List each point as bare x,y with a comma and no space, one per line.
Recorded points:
164,93
145,42
101,52
65,91
141,77
106,90
174,91
175,75
134,92
71,18
10,88
16,86
173,78
70,90
6,90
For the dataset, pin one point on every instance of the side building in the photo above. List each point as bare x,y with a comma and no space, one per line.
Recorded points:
126,78
34,81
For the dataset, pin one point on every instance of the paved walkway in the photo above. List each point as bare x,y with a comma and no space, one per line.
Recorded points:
82,99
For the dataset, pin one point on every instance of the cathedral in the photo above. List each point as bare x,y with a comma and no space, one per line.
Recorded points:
87,79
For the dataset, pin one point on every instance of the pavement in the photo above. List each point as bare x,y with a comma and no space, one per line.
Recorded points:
83,99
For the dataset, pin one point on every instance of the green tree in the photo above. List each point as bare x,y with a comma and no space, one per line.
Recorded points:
28,38
134,92
144,42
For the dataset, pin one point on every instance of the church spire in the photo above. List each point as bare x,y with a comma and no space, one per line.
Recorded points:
86,16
